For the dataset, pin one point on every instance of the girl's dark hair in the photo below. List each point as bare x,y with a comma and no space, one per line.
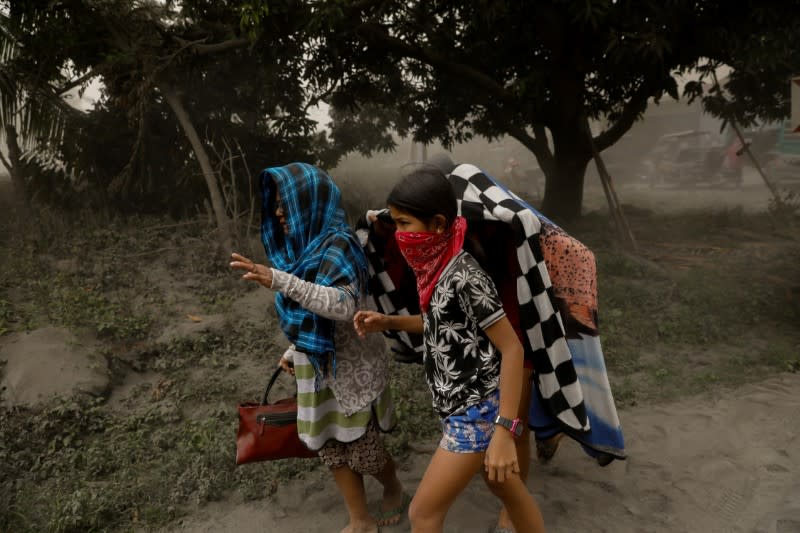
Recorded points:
424,193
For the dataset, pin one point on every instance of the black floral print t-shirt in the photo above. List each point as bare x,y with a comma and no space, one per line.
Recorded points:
461,365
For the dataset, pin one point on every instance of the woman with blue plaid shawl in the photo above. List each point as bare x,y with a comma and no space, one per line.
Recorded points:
319,272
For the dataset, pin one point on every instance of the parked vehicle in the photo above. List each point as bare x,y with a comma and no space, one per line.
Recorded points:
689,158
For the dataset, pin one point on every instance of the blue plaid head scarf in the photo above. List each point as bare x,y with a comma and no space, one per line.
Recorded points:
319,247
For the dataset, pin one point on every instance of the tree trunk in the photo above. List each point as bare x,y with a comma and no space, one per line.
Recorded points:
563,190
217,203
14,165
563,193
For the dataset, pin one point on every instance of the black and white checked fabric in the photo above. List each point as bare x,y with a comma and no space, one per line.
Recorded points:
481,198
388,299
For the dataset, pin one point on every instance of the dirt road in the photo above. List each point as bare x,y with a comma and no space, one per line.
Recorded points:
724,464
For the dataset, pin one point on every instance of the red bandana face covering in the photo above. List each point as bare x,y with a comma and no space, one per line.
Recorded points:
427,253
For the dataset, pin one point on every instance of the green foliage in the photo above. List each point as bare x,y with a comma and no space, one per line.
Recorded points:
80,464
625,392
251,17
786,209
762,53
364,127
208,349
247,99
29,100
417,420
6,316
536,70
784,355
98,470
77,306
76,300
663,328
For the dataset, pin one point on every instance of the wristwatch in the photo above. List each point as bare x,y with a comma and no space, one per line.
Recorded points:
514,426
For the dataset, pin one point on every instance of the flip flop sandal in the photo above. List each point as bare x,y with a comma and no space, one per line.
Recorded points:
392,517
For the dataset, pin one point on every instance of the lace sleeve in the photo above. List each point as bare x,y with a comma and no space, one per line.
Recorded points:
334,303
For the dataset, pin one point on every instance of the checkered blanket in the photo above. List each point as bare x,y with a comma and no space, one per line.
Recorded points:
482,198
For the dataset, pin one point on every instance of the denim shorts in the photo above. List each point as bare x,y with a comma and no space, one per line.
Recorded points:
471,431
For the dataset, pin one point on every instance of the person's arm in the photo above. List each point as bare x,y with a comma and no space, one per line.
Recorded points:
501,457
334,303
372,322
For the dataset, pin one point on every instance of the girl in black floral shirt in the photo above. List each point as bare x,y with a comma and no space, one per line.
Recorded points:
474,389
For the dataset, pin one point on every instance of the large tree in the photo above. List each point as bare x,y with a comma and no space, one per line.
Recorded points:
533,70
192,67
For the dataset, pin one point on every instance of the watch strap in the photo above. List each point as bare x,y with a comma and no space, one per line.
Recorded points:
514,426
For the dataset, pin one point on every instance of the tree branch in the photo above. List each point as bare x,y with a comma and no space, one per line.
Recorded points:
630,111
373,34
315,100
529,141
200,48
536,143
71,85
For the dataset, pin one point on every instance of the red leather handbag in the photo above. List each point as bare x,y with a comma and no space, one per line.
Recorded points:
268,431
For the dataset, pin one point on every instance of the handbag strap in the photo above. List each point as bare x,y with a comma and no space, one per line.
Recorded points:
270,384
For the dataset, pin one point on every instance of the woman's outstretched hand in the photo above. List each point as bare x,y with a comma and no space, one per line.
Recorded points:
253,271
369,322
501,456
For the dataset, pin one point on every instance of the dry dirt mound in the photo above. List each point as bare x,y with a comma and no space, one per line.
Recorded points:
50,362
729,464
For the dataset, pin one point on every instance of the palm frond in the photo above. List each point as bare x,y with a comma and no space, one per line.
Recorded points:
30,105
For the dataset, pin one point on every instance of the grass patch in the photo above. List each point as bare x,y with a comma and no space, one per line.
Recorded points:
78,306
708,311
417,419
80,465
6,316
708,303
77,467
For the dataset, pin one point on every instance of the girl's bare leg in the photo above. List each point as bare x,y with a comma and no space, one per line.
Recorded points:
446,477
351,485
519,503
523,444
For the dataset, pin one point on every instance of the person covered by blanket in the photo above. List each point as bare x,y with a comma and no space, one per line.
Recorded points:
475,391
572,271
318,270
493,246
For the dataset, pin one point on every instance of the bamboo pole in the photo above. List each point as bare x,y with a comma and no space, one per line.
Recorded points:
611,194
746,146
